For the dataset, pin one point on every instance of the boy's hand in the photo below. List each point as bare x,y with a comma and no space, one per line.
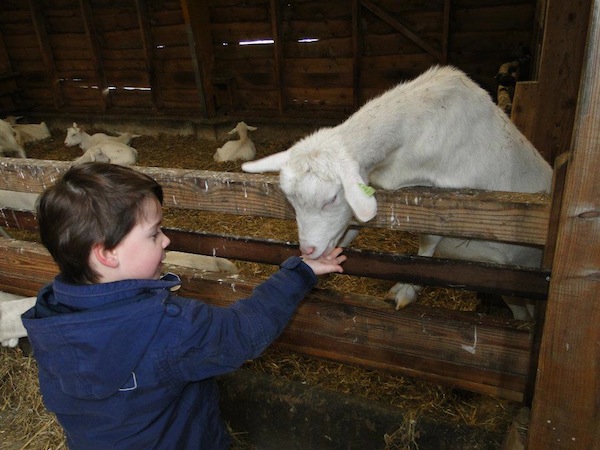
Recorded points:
327,263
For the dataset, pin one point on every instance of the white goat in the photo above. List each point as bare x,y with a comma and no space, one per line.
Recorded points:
26,133
17,200
202,262
77,136
243,148
11,325
441,130
12,306
8,142
108,151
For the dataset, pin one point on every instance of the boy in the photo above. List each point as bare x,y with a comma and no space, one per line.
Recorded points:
123,362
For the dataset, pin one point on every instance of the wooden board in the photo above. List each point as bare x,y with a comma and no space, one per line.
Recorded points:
510,217
565,412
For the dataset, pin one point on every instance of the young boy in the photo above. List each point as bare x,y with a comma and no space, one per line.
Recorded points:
124,363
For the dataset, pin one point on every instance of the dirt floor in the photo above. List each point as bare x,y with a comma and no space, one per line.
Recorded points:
25,424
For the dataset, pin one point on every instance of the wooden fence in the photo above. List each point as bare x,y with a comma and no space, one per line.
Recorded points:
482,353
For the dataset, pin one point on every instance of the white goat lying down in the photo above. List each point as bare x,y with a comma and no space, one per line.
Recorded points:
109,151
8,142
12,306
77,136
26,133
243,148
441,130
17,200
11,325
201,262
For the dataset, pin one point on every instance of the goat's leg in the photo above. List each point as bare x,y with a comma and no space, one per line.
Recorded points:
521,308
403,293
348,237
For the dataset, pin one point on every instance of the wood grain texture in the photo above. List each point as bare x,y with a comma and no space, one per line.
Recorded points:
500,216
565,413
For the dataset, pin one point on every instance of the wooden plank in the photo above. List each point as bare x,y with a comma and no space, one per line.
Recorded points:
275,10
93,40
198,28
46,51
445,31
558,183
483,354
559,74
524,109
467,275
510,217
565,413
151,65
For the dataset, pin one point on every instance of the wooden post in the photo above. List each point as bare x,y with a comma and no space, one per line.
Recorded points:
278,54
565,413
87,16
46,50
143,13
197,23
559,74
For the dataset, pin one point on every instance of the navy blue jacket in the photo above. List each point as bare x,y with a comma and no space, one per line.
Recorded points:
130,365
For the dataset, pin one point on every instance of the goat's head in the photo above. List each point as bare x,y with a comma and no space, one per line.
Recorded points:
73,135
242,129
324,186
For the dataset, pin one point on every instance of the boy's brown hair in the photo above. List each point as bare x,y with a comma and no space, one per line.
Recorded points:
93,203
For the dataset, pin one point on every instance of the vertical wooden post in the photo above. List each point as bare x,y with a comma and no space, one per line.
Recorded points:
148,44
565,413
92,35
44,43
559,73
278,53
357,54
445,31
197,23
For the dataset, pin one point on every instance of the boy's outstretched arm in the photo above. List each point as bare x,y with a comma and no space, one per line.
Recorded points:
327,263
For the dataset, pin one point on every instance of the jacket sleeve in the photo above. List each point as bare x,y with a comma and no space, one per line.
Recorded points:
217,340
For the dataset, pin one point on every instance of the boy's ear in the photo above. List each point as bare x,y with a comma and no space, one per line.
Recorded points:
105,257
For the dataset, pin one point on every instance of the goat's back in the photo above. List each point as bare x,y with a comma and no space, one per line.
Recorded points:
442,129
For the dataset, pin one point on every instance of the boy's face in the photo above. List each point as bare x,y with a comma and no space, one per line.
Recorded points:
141,252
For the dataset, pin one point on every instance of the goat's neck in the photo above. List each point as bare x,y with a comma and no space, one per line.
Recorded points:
367,155
85,137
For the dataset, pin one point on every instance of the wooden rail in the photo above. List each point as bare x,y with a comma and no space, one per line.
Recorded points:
499,216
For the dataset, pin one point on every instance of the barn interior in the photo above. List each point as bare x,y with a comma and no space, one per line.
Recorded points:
182,74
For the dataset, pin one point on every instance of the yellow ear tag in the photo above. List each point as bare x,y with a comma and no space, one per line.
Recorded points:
368,190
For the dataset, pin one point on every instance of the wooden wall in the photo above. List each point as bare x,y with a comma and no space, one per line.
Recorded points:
170,57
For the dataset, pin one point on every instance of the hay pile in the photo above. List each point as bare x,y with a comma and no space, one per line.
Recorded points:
25,424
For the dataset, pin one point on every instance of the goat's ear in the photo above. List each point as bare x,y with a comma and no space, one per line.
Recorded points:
271,163
359,196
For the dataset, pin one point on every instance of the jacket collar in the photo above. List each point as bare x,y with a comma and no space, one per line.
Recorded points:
90,296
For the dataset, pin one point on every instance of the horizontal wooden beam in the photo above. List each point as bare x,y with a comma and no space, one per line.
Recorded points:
480,353
467,275
499,216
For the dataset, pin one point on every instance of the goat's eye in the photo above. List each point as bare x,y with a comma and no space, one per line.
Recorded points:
331,201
